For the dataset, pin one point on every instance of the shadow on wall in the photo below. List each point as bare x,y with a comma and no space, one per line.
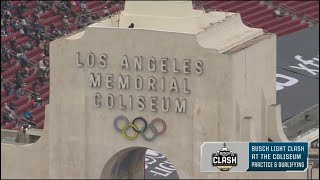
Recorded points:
138,163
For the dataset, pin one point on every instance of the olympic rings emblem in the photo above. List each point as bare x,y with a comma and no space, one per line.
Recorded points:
141,131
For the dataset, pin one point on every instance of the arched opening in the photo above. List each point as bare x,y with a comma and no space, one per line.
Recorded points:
138,163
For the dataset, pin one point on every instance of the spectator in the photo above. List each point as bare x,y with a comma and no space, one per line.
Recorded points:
106,11
27,30
40,76
12,116
13,43
34,95
19,92
64,30
83,5
2,70
277,13
28,45
38,28
28,115
55,7
43,6
65,21
56,32
35,16
23,22
64,8
46,49
5,117
25,72
4,59
22,58
3,33
29,19
7,55
94,17
11,105
7,14
5,26
21,30
19,83
7,87
35,86
18,75
41,45
5,5
19,49
17,25
7,108
33,103
39,101
42,65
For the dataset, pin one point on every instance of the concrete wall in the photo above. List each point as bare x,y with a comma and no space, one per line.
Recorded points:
29,161
80,139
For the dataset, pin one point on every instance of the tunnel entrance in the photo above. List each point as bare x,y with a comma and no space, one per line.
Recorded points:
139,163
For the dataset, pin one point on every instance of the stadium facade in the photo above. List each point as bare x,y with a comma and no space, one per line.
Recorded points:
206,75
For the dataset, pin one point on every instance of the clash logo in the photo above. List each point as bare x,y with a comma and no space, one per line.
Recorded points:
224,159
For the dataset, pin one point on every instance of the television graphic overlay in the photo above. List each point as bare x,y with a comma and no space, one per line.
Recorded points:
254,156
224,159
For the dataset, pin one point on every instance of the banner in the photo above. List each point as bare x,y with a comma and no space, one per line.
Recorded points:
254,156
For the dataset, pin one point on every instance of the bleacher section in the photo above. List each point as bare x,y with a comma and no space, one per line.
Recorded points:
35,55
260,15
309,9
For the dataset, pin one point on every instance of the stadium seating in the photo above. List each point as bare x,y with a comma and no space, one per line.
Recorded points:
309,9
36,54
256,14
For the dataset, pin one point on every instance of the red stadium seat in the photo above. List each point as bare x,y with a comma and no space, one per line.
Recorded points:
38,109
30,79
11,71
23,108
21,101
44,89
8,99
40,124
45,96
39,117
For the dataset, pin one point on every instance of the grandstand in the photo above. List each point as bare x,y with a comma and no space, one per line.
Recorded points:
50,18
54,23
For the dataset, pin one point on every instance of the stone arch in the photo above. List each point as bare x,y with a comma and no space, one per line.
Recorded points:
138,163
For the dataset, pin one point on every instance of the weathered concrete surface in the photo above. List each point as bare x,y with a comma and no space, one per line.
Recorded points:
79,138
